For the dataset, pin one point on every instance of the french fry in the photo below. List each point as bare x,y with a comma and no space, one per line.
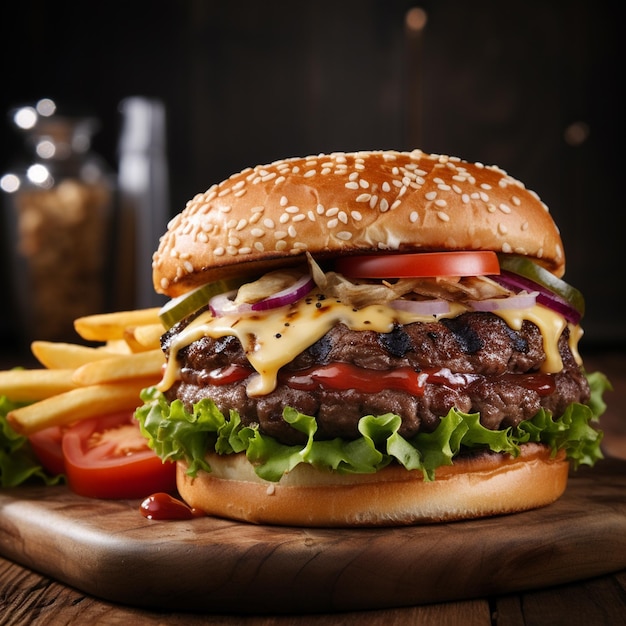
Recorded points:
107,326
145,337
123,367
59,355
77,404
34,384
117,346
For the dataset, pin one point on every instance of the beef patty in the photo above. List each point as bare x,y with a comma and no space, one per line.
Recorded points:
501,367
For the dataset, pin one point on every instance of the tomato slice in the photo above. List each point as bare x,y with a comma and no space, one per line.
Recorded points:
46,445
108,457
420,264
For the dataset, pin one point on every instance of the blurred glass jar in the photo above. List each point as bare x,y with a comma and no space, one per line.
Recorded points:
59,207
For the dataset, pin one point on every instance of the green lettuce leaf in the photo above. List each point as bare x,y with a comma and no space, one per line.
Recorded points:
174,434
18,463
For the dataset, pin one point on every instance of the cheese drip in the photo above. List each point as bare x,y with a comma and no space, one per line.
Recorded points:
274,338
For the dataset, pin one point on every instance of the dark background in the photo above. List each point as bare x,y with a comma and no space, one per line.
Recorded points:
532,86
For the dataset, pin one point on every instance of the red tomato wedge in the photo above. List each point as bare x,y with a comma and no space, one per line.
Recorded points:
420,264
108,457
46,445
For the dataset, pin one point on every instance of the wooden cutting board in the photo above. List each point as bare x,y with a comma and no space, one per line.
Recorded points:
107,549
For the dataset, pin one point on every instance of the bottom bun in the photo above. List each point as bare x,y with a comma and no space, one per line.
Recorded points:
488,484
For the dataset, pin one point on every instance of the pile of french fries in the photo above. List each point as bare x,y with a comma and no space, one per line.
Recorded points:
78,381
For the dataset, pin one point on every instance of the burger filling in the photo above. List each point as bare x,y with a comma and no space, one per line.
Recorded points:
474,363
352,376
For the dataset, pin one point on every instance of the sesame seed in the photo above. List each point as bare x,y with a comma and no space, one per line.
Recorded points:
431,195
310,173
384,205
268,223
441,203
386,188
332,223
283,201
352,185
344,235
279,234
444,217
356,216
413,217
502,229
257,232
505,208
332,211
363,197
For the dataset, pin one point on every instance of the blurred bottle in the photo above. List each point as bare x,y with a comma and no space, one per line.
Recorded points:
143,184
58,207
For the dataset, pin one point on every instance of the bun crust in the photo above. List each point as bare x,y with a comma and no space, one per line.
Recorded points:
490,484
263,217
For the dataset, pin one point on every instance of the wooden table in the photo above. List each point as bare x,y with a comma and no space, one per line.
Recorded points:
27,597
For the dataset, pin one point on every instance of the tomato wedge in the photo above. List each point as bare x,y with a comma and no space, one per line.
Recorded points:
108,457
420,264
46,445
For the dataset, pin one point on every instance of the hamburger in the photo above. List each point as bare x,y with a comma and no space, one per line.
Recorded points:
369,339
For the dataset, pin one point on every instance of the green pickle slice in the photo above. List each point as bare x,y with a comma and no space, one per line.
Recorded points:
187,303
527,269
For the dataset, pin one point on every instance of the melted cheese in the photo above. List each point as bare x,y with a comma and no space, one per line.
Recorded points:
274,338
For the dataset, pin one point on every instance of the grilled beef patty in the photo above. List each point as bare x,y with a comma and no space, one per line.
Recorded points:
500,369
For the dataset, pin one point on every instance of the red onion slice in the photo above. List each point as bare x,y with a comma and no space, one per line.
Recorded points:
223,304
291,294
422,307
522,300
545,297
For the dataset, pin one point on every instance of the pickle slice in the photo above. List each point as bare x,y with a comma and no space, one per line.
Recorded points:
527,269
184,305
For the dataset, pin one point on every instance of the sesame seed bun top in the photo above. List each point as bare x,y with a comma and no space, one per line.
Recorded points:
362,202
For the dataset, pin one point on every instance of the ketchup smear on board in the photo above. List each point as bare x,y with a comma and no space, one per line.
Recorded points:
163,506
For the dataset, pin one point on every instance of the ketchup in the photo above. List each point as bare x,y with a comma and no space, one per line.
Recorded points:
162,506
